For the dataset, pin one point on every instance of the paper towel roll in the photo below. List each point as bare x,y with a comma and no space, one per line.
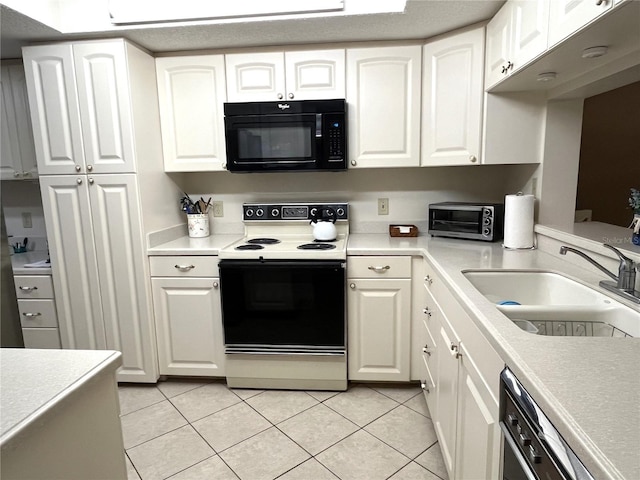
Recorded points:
518,221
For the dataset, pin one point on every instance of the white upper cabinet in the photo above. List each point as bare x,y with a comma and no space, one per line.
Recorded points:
80,107
568,16
515,35
272,76
18,157
192,92
383,92
105,106
53,103
452,99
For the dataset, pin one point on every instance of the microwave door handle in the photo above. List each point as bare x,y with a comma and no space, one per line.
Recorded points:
318,125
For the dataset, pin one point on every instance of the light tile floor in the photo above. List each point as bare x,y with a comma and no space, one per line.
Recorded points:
191,430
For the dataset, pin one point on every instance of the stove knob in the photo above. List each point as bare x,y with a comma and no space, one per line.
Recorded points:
525,440
249,212
513,420
259,212
275,212
340,212
313,211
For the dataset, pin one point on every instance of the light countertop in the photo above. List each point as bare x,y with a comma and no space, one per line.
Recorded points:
589,387
34,381
19,260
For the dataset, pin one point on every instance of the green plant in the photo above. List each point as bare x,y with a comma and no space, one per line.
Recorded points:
634,200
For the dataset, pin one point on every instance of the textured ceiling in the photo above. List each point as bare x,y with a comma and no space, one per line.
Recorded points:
421,19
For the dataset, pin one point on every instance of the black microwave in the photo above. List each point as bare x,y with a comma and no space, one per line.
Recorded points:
473,221
303,135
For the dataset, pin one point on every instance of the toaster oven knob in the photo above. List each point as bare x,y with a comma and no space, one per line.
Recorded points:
249,212
275,212
486,232
487,221
486,212
340,212
259,212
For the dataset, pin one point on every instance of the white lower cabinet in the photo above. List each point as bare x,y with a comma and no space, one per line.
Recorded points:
37,309
379,318
464,403
188,316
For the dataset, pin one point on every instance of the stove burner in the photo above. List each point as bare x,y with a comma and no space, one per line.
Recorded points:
249,247
263,241
316,246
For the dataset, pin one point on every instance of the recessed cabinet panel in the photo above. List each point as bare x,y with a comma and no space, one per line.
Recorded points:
452,100
188,326
530,31
383,91
255,77
315,75
498,45
127,316
569,16
103,94
53,103
67,214
192,92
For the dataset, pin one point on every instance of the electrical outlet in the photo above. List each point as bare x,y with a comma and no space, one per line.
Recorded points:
26,220
383,206
218,209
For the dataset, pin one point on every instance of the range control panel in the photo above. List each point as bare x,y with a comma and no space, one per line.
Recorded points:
292,211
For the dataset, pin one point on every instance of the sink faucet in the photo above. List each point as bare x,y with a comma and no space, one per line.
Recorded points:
624,283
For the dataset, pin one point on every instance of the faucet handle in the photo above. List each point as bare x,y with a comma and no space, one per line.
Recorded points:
624,260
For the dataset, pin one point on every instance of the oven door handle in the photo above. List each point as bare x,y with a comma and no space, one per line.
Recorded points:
526,468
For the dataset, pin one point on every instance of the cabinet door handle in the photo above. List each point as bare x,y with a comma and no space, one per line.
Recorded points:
426,350
379,269
28,289
473,158
91,180
291,96
424,385
455,350
89,168
216,284
185,268
352,286
426,311
353,163
79,181
428,280
600,2
29,314
78,168
280,96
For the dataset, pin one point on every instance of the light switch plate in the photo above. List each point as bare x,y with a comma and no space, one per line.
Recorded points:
218,209
26,220
383,206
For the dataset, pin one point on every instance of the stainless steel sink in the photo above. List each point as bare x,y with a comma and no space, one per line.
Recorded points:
547,303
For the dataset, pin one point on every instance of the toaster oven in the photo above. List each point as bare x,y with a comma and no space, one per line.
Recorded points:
473,221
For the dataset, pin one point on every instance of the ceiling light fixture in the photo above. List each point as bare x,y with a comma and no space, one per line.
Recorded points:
594,52
546,76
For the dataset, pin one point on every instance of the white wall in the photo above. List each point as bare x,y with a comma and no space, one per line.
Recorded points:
409,191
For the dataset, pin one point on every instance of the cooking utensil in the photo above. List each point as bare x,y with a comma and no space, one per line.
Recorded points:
323,222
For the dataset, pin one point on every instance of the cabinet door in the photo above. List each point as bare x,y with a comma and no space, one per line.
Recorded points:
478,438
192,92
379,322
124,280
568,16
255,77
18,151
452,99
188,326
53,104
67,214
498,46
446,391
530,30
383,92
315,74
105,106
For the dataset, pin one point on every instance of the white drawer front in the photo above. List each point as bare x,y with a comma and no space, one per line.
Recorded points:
379,267
33,286
184,266
41,338
37,313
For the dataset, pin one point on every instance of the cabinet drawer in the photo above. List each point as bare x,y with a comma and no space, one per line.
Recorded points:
33,286
37,313
379,267
41,338
184,266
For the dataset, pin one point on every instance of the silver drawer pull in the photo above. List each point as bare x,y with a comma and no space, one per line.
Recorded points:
28,289
29,314
184,267
379,269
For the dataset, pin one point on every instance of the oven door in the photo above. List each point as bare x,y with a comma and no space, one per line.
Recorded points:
458,220
276,306
273,142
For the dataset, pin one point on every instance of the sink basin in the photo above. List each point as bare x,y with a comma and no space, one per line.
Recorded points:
547,303
527,287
